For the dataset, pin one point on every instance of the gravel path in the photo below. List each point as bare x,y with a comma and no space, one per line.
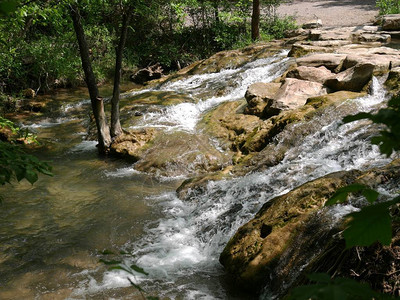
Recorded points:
331,12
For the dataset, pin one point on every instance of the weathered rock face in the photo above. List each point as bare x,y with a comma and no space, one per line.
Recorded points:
258,95
253,251
353,79
180,153
320,74
292,94
131,144
291,232
331,61
391,22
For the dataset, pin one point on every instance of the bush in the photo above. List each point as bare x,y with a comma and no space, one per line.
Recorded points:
388,6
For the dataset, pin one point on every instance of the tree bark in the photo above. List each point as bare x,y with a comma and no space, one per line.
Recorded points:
116,128
255,21
103,131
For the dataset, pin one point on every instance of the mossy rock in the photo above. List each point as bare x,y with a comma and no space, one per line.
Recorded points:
255,248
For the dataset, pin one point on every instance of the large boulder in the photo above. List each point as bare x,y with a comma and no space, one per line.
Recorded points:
252,253
291,235
320,74
258,95
293,94
353,79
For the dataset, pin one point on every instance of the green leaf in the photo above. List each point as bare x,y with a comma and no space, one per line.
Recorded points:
319,277
110,262
31,176
139,269
106,252
356,117
335,289
341,194
135,285
370,194
372,223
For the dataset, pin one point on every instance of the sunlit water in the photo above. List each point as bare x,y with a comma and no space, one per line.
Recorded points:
51,233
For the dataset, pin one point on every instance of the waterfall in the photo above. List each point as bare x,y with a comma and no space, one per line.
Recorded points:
180,251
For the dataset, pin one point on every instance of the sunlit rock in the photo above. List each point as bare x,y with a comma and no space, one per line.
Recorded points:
131,144
258,95
332,61
292,94
320,74
391,22
353,79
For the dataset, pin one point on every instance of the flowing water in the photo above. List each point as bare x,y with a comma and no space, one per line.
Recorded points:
52,233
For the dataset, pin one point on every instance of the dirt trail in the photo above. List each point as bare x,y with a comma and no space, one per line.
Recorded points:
331,12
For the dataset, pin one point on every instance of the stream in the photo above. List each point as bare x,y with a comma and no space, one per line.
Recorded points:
52,233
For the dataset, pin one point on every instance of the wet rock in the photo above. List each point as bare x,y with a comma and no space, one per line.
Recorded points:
391,22
252,253
320,74
331,61
131,144
393,81
262,135
258,95
181,154
229,125
31,105
292,94
353,79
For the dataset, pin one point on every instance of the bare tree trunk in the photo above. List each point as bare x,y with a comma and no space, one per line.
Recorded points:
103,131
255,21
116,128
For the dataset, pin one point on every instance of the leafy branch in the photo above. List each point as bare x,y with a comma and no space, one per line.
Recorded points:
118,264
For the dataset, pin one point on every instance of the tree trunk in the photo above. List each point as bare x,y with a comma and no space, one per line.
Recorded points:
116,128
103,131
255,21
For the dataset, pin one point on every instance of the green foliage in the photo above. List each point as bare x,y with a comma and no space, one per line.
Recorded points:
132,269
334,289
277,27
388,6
15,163
389,140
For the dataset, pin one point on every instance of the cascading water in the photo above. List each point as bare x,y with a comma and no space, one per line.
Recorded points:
177,241
180,251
